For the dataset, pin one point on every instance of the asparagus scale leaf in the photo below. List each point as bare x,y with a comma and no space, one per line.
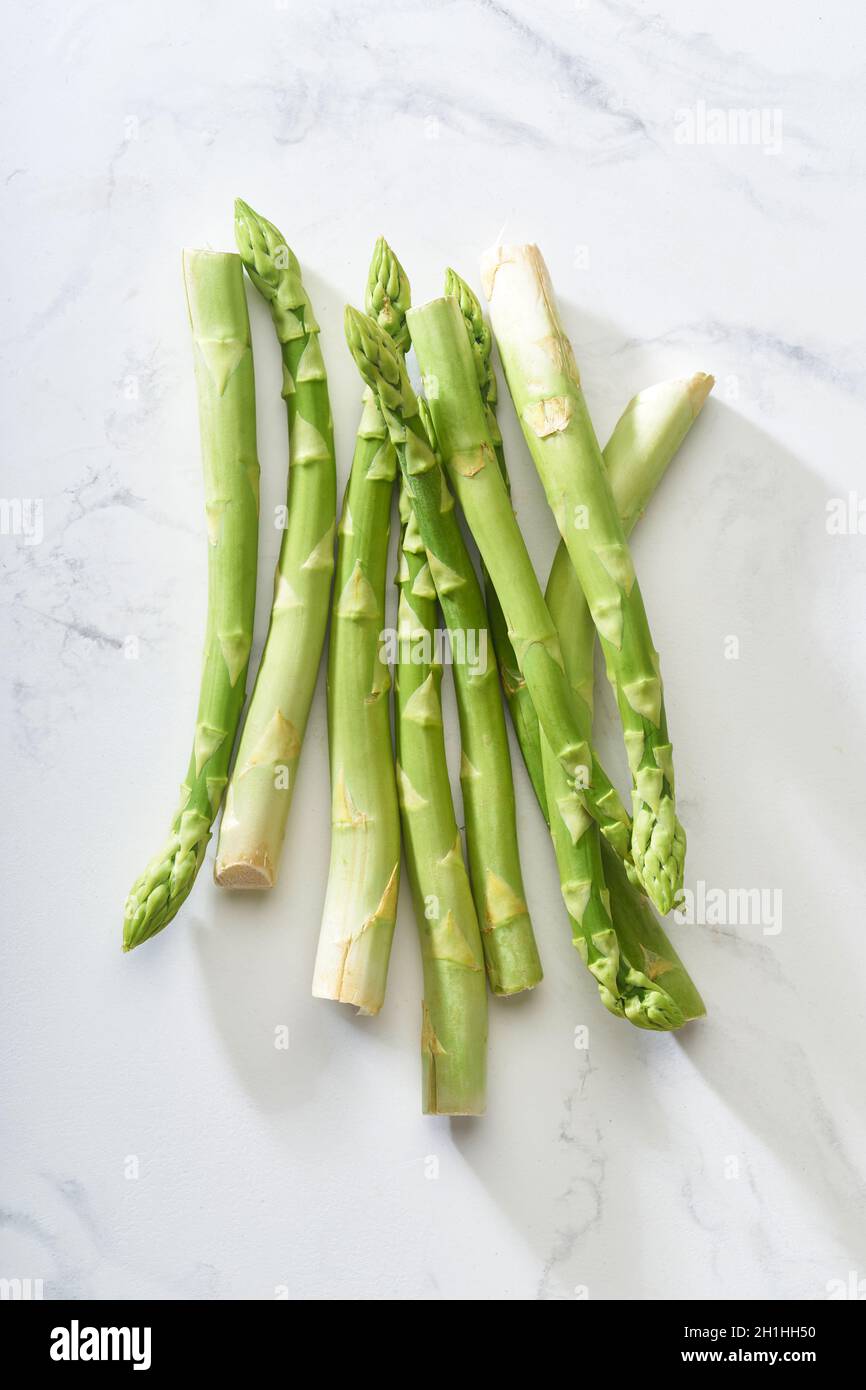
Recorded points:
363,879
263,780
226,395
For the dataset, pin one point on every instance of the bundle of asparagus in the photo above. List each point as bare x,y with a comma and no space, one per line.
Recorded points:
446,448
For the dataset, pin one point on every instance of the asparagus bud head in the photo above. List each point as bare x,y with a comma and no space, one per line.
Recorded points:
273,268
380,363
159,893
480,337
659,850
388,296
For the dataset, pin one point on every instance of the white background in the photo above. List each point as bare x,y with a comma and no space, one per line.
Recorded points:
725,1162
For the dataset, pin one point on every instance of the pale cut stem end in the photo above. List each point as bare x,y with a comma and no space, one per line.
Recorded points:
699,387
500,254
336,994
355,977
454,1085
242,873
457,1114
510,992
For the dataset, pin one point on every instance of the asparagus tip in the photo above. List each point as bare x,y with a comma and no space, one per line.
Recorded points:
351,318
135,934
131,938
387,296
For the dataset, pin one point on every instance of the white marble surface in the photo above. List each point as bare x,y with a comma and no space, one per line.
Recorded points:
727,1162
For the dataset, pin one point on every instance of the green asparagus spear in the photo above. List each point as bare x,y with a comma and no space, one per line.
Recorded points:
227,413
545,386
363,880
639,974
454,1009
439,336
263,779
514,687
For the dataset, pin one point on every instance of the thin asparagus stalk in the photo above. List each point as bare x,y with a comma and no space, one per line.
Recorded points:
545,386
644,441
454,1009
439,335
646,438
263,779
510,951
363,879
227,414
638,973
514,687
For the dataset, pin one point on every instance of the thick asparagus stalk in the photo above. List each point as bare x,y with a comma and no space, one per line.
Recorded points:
263,779
446,359
361,900
488,791
454,1009
639,974
227,413
545,386
517,696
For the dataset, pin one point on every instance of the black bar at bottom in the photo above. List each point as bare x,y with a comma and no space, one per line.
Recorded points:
230,1336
